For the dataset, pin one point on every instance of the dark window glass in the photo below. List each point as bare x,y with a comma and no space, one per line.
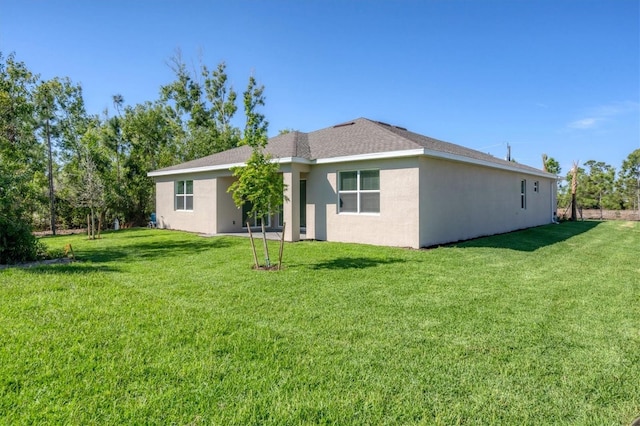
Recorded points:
370,202
349,203
369,180
348,181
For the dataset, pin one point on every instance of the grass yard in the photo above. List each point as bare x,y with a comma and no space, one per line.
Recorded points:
162,327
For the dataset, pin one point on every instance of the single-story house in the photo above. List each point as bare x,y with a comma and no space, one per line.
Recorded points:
364,181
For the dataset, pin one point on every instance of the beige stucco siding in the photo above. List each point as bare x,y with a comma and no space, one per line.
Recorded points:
203,217
462,201
395,225
424,201
229,217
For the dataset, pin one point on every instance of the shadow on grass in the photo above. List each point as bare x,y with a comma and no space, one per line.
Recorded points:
162,250
131,246
533,238
75,268
353,263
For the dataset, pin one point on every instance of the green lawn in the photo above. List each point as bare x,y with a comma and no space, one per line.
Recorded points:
162,327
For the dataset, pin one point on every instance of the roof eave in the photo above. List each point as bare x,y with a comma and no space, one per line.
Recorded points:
202,169
372,156
218,167
364,157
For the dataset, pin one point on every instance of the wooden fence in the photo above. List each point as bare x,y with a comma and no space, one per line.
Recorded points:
595,214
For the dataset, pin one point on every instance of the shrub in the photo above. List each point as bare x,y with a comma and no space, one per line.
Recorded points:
17,243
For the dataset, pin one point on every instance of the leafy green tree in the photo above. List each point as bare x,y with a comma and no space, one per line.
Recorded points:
21,161
596,188
151,144
115,148
91,192
550,164
629,181
223,106
62,119
71,208
204,106
116,132
259,182
285,131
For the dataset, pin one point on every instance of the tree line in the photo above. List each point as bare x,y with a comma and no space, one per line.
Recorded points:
61,167
600,186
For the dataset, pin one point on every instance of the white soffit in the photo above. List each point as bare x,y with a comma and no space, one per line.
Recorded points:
284,160
362,157
194,170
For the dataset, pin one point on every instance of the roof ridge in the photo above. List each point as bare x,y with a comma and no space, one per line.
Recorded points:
388,128
301,144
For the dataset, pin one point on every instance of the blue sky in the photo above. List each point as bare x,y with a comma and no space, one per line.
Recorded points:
560,77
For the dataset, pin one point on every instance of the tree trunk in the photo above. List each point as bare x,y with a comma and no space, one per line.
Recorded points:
638,201
574,187
600,205
118,161
100,215
52,199
266,246
284,227
253,247
93,225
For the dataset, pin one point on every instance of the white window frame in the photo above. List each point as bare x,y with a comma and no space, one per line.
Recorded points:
254,221
358,192
523,194
183,196
536,186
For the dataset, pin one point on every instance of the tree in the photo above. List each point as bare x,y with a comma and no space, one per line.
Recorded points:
62,119
204,106
116,149
71,208
575,172
629,180
151,144
118,102
223,106
259,182
550,165
91,192
285,131
597,189
20,162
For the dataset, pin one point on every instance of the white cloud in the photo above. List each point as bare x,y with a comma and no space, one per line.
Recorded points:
616,108
604,113
585,123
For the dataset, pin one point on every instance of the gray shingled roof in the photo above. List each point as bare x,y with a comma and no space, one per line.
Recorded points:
357,137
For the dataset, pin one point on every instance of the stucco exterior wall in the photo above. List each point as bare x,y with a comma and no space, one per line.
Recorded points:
229,217
463,201
424,201
203,217
291,175
395,225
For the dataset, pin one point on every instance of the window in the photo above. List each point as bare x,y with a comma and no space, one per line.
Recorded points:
536,185
254,221
523,194
184,195
359,191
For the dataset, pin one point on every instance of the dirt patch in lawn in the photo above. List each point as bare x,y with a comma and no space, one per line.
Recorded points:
60,232
63,260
